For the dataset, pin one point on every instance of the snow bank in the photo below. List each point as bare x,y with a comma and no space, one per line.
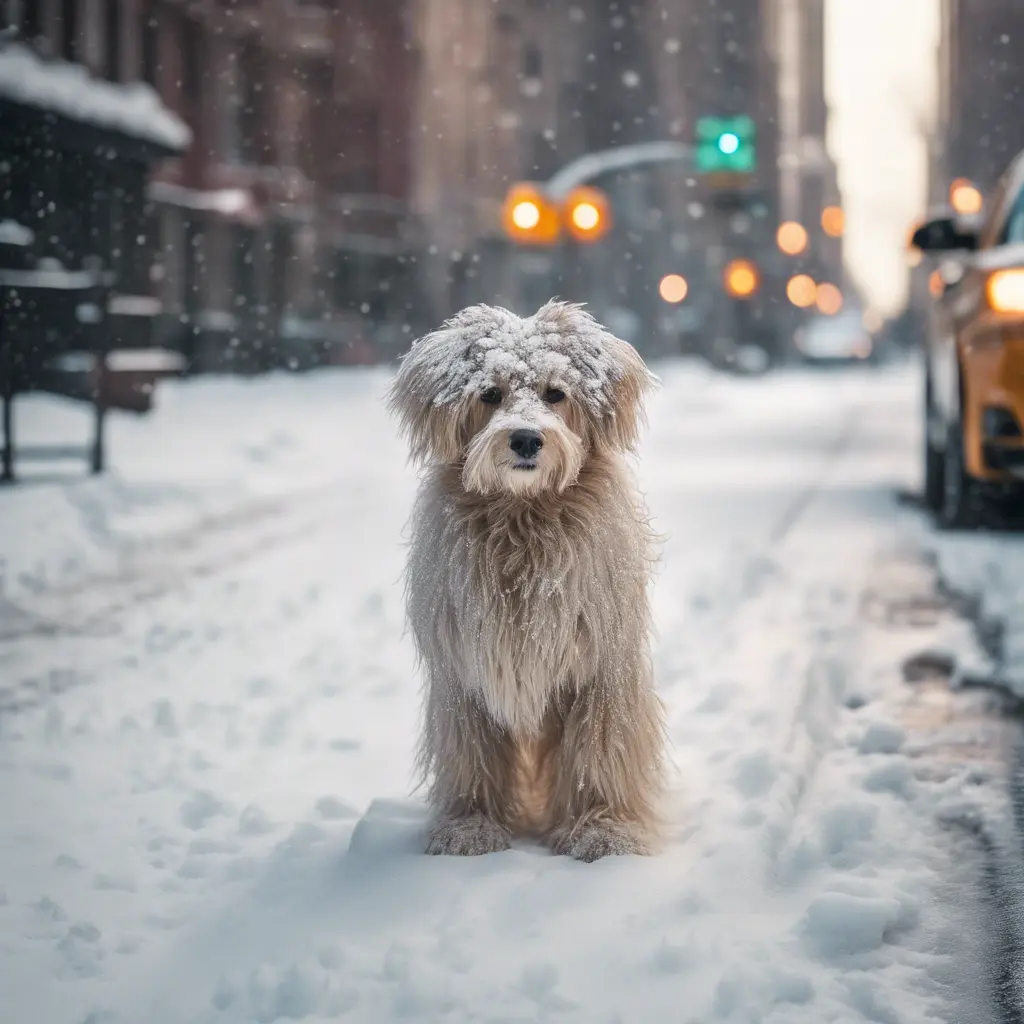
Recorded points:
988,568
68,90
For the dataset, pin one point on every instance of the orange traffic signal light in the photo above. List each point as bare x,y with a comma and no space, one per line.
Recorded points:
588,214
741,279
529,217
791,238
801,291
833,221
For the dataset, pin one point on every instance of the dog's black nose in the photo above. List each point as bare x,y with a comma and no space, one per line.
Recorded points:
526,443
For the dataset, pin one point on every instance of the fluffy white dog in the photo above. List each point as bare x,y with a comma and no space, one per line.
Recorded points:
527,584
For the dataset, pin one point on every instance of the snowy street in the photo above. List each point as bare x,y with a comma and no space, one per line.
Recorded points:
208,709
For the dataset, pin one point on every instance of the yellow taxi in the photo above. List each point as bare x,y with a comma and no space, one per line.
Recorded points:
974,381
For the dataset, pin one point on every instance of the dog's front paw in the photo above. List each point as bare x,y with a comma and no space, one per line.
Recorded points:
597,839
470,836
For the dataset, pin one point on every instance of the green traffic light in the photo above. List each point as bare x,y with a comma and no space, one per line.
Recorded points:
726,144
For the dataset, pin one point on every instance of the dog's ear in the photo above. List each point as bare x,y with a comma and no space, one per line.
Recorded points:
422,396
631,383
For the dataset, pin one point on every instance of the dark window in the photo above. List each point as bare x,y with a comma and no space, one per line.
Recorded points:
243,258
252,119
113,40
150,57
194,266
351,152
31,19
532,63
281,252
230,113
1013,232
69,29
191,69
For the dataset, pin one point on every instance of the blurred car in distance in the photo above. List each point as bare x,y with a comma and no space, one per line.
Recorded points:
834,339
974,358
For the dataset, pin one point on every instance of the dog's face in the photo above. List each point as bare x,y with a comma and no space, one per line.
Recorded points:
520,403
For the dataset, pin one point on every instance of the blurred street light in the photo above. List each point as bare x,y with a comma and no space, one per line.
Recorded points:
588,214
833,221
791,238
673,288
741,279
801,291
528,216
964,197
829,299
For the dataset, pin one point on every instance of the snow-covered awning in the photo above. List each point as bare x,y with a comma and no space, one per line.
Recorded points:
13,233
68,90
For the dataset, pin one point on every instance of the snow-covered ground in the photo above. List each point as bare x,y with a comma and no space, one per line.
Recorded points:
208,706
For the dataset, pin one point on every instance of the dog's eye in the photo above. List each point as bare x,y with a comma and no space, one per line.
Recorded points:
492,396
554,395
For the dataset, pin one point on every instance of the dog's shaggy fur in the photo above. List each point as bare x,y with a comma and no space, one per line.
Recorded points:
527,584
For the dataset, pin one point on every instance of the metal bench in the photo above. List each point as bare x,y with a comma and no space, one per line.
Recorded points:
54,337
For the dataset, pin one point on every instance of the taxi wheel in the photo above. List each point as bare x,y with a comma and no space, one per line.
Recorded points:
934,461
962,501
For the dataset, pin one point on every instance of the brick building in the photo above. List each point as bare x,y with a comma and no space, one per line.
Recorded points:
286,228
283,233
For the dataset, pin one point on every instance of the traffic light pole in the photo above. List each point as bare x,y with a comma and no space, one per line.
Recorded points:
621,158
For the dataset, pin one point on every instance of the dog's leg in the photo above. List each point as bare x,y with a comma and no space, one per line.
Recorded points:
472,764
606,770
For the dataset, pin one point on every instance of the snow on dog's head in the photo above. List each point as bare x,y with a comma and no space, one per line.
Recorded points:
520,403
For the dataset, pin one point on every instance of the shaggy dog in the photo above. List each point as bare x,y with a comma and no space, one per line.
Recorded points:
527,584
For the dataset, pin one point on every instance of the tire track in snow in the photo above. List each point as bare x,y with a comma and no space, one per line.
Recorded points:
805,498
149,570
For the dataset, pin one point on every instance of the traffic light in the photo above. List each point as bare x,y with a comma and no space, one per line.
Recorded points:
726,144
741,279
529,217
587,214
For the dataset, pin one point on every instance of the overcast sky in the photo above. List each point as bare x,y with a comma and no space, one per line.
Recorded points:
881,60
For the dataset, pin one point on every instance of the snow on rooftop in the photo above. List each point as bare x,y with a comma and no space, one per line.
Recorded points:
67,89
